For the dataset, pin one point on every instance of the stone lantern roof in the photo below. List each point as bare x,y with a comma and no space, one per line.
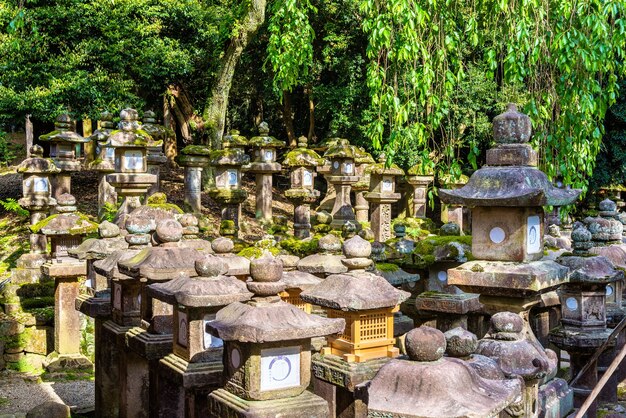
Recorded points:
302,156
156,131
106,127
439,386
263,140
165,262
130,135
67,222
381,168
210,288
98,248
237,265
419,169
228,155
36,164
266,318
511,177
324,262
363,157
64,131
235,139
341,149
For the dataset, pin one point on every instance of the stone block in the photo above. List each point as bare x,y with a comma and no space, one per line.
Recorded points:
512,154
49,409
333,369
13,358
40,340
36,361
10,327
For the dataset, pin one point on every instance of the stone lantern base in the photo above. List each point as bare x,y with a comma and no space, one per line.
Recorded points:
226,405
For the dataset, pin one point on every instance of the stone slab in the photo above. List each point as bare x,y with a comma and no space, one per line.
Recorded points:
147,345
65,269
224,404
93,307
501,278
333,369
191,375
556,399
448,303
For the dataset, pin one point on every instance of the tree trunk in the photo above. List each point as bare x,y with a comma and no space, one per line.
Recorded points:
183,112
288,119
89,147
215,113
28,127
169,147
311,135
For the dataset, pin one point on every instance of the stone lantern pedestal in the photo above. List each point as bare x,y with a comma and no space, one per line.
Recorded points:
419,179
37,199
267,357
263,166
63,142
156,157
228,163
150,342
194,368
65,231
361,206
382,194
367,303
506,197
342,176
131,180
194,158
302,162
454,212
105,163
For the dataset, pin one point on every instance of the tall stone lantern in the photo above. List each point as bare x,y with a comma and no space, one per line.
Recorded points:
453,212
194,158
263,166
156,157
302,162
507,197
105,163
228,163
419,178
267,357
382,194
37,198
361,206
342,176
131,180
65,231
63,143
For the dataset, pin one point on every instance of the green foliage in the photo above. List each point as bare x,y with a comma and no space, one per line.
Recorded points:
109,211
37,302
87,340
11,205
6,151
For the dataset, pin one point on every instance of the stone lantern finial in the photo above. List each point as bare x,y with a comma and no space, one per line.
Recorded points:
581,240
425,344
266,273
512,127
36,151
303,142
264,128
357,252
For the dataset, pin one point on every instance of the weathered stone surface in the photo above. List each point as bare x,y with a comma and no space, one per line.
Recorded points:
161,263
357,247
266,268
201,291
450,229
40,340
226,405
290,262
447,303
169,230
322,264
512,126
460,342
296,279
596,269
278,321
425,344
49,409
98,249
108,230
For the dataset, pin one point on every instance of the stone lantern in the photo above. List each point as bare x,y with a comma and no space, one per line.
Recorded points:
238,266
37,198
131,180
296,282
419,177
440,386
302,162
327,260
267,357
583,312
156,157
194,158
382,194
264,165
361,206
367,303
65,231
105,163
149,343
328,200
228,191
453,212
63,142
342,176
194,368
507,198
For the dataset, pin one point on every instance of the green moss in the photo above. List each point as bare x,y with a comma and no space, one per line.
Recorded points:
477,268
427,246
23,366
84,224
301,248
256,252
158,198
170,207
37,302
387,267
302,157
44,315
228,196
31,290
322,228
196,150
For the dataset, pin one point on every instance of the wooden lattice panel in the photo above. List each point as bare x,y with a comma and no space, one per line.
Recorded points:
293,298
347,332
373,326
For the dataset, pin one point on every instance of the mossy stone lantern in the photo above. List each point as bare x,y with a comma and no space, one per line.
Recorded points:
63,145
228,191
265,148
105,163
194,158
131,180
37,192
194,368
302,162
419,177
361,206
156,157
382,194
267,357
342,176
66,231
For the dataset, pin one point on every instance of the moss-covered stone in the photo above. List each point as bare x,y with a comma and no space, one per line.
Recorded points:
256,252
82,225
158,198
301,248
302,157
170,207
432,249
387,267
37,302
228,196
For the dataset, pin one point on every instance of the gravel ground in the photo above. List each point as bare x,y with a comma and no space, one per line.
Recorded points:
19,394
